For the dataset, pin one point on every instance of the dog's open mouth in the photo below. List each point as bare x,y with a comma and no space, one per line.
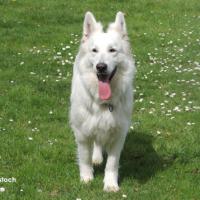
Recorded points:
104,80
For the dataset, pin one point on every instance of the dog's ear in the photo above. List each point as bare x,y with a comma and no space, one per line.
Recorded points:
90,25
119,25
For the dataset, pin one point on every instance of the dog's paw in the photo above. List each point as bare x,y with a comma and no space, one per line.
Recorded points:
97,162
110,181
86,173
97,159
111,188
86,178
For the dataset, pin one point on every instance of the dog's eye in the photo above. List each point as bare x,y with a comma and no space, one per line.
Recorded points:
94,50
112,50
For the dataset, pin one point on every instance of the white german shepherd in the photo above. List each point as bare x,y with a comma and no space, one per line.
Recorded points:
102,97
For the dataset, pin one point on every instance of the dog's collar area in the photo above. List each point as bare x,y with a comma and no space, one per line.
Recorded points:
109,106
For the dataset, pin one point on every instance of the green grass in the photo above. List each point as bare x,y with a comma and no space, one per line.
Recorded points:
162,153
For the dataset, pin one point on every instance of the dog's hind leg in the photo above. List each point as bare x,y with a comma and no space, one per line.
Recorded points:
85,161
97,157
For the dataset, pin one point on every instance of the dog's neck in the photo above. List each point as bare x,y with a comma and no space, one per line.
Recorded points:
108,106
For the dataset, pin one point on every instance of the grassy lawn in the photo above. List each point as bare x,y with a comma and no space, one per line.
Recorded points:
39,40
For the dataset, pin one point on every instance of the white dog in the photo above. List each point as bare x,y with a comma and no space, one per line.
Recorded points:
102,97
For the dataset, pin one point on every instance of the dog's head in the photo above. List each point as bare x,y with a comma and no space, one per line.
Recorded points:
104,51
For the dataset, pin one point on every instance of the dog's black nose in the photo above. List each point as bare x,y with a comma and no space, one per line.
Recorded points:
101,67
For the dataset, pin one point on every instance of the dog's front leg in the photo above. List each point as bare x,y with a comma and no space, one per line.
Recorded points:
112,165
85,161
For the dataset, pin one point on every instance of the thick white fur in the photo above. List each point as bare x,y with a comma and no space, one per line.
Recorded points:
94,126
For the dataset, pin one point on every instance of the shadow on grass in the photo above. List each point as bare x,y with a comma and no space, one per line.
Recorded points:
139,160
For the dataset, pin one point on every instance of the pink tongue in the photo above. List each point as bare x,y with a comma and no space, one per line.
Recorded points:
104,90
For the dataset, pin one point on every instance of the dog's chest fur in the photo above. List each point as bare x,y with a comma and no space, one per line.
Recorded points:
98,122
